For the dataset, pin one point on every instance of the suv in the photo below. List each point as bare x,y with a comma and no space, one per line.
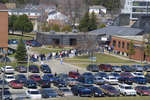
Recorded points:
127,90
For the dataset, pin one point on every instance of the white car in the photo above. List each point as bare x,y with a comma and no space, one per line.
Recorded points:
66,91
8,69
33,94
138,74
110,79
9,78
127,90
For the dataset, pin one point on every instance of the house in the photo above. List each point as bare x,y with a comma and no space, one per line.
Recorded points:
55,17
98,10
3,29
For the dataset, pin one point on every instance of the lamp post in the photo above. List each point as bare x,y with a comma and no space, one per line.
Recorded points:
28,62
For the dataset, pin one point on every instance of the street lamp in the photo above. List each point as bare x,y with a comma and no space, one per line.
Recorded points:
28,48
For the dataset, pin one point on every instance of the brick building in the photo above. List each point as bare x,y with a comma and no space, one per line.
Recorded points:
3,28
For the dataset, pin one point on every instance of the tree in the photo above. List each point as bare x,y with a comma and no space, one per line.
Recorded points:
12,20
84,23
21,52
55,28
131,50
67,28
92,22
147,48
102,26
23,24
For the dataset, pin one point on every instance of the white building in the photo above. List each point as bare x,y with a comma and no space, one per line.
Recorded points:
136,8
97,10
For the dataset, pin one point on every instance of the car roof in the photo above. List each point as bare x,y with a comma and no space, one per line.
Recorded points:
33,90
125,85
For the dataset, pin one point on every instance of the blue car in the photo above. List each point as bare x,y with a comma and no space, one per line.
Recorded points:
97,92
35,44
101,74
45,68
88,74
86,80
116,75
127,68
30,84
21,78
49,77
139,80
82,90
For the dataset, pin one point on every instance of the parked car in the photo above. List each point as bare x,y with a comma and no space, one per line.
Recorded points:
92,67
125,80
86,79
33,94
99,80
5,84
147,76
4,59
116,68
105,67
60,83
127,90
97,92
66,91
88,74
35,43
127,68
48,93
126,74
147,68
30,84
21,69
71,81
21,78
109,90
35,77
82,90
115,74
101,74
7,69
48,77
62,76
16,84
6,95
138,74
111,80
74,74
45,68
33,69
44,84
138,68
9,78
142,90
139,80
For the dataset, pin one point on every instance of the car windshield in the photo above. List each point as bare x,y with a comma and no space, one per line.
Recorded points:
111,88
128,87
77,74
112,78
37,76
10,76
21,76
144,88
138,73
34,92
9,68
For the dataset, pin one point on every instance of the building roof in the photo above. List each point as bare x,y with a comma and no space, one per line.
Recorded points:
97,7
2,7
134,38
117,30
24,10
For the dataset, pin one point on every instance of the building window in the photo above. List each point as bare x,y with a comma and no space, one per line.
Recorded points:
114,43
127,45
122,44
119,44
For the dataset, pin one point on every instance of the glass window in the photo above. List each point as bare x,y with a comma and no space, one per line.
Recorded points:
119,44
114,43
127,45
122,44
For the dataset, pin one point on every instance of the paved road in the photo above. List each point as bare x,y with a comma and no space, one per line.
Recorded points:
61,68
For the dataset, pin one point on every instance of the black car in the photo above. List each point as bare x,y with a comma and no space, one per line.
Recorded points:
139,80
6,96
33,69
30,84
44,84
82,90
93,68
21,78
125,80
97,92
21,69
60,83
45,68
127,68
48,93
147,76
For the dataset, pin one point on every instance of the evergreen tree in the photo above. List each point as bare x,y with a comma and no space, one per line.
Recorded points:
67,28
21,52
93,22
84,23
23,24
12,20
55,28
131,50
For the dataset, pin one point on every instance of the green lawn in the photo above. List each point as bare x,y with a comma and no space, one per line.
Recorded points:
100,58
18,37
109,98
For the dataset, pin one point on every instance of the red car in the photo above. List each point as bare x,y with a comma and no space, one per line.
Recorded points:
142,90
16,84
74,74
105,67
35,77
